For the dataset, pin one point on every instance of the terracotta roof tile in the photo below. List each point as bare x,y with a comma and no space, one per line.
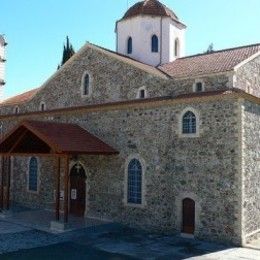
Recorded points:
201,64
21,98
150,7
61,137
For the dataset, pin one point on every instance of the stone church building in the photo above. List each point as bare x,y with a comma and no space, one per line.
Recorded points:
143,136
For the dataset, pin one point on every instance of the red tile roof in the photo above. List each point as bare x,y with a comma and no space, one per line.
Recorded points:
201,64
21,98
150,7
60,137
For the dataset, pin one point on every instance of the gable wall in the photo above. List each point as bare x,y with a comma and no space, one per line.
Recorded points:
113,80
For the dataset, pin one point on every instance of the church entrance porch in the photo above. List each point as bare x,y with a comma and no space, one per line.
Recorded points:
59,141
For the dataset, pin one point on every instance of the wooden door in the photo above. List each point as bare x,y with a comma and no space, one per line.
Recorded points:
188,216
77,190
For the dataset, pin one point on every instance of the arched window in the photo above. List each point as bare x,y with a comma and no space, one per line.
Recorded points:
129,45
176,48
134,182
86,85
199,87
189,123
42,106
142,93
33,174
16,110
155,43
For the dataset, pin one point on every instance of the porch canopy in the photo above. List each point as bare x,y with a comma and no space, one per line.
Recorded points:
38,138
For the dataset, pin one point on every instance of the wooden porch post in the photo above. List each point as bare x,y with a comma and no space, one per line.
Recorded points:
8,183
57,209
2,182
66,189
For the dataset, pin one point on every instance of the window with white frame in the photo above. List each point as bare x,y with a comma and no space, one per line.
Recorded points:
189,123
134,182
42,106
33,175
198,86
16,110
142,93
86,85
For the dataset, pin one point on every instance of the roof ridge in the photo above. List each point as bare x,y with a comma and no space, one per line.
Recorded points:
218,51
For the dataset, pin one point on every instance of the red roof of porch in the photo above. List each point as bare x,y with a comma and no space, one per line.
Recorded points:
37,137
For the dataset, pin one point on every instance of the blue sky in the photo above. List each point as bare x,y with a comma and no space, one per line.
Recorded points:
36,30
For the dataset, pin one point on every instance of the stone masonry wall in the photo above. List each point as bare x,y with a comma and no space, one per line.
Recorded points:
112,80
251,170
248,77
202,168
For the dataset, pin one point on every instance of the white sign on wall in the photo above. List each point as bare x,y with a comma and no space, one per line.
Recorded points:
61,195
73,194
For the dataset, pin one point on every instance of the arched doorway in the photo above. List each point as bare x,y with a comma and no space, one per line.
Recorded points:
188,216
77,190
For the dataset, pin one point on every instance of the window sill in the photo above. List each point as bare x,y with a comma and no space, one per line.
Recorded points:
33,192
85,96
189,135
132,205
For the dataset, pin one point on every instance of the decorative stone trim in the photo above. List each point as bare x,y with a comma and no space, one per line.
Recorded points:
42,106
138,95
197,115
143,164
16,110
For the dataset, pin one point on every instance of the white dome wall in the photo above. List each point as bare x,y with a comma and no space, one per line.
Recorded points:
141,29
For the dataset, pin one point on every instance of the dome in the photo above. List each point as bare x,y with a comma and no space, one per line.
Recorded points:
150,7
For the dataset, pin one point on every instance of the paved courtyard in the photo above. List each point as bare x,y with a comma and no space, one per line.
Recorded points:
108,241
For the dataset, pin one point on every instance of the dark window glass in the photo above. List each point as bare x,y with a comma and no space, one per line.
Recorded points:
33,174
155,43
199,87
129,45
142,93
42,107
86,85
176,50
189,123
134,185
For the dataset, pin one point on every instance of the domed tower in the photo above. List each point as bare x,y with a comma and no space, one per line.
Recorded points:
2,65
151,33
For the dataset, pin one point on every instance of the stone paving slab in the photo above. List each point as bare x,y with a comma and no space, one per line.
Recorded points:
9,228
111,241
